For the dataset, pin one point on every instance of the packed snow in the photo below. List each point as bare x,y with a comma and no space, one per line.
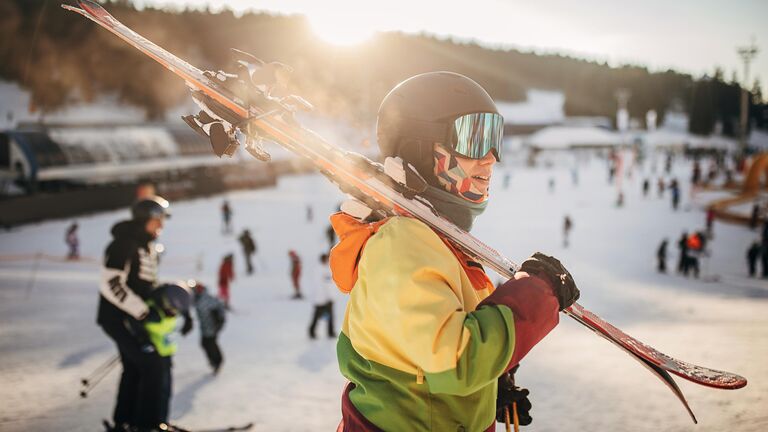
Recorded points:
275,376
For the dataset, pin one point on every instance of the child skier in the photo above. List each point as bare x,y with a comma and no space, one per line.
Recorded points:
211,314
165,304
425,336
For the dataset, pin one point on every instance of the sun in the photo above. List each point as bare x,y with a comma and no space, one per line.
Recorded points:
340,30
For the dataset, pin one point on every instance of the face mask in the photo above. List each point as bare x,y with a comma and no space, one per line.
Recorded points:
453,178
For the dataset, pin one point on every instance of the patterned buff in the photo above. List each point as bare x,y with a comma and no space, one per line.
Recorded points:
453,178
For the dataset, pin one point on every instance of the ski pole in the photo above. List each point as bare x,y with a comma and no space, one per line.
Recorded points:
96,372
90,385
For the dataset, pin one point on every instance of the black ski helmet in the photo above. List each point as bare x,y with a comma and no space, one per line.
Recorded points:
148,208
418,112
175,297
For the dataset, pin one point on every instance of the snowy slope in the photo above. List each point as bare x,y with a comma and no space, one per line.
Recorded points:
274,376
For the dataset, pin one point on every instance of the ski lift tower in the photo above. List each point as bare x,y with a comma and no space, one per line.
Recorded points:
747,53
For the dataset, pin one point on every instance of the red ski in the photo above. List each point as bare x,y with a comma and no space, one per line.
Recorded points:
259,116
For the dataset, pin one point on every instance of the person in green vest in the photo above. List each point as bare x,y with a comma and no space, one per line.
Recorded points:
165,304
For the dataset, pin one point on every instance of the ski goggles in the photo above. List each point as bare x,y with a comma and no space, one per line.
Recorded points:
474,135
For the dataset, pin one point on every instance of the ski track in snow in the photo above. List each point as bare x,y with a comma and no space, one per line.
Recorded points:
275,376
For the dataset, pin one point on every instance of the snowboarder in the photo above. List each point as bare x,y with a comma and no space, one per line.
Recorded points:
661,256
72,242
323,298
567,225
226,276
128,279
211,313
295,273
226,217
753,253
249,249
426,336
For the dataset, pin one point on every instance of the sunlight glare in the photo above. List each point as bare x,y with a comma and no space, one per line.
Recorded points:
341,30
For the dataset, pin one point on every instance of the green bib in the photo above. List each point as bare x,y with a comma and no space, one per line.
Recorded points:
161,332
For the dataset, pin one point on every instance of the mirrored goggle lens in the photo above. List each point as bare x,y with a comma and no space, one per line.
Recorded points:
474,135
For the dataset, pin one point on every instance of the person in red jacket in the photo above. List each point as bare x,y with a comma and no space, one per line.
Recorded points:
295,273
226,275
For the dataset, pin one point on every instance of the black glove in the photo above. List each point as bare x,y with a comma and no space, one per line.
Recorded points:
552,270
508,394
188,322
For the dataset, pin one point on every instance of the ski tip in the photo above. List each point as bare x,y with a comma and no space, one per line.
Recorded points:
93,8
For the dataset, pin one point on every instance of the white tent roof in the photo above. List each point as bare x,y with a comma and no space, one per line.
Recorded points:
541,107
565,137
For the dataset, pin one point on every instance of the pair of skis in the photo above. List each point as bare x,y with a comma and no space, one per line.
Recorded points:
247,104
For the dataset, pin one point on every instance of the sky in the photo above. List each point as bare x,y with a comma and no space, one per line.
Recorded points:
691,36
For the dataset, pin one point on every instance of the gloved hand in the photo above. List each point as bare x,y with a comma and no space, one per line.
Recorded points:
188,323
508,394
550,269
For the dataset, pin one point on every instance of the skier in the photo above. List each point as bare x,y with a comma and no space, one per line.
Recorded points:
567,225
695,247
323,298
295,273
753,253
72,242
646,187
226,217
660,185
674,187
165,304
755,215
710,219
764,246
661,256
426,337
682,245
128,278
249,248
211,314
226,276
330,234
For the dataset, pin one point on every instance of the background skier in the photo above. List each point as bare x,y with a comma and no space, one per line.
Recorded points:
211,314
72,241
226,276
226,217
425,336
753,253
295,273
661,256
249,249
323,298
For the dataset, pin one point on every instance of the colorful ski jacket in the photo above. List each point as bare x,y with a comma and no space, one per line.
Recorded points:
425,336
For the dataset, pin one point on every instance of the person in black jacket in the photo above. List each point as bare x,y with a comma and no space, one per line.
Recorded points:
128,279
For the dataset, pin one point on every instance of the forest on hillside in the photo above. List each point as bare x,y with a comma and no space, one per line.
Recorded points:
62,58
